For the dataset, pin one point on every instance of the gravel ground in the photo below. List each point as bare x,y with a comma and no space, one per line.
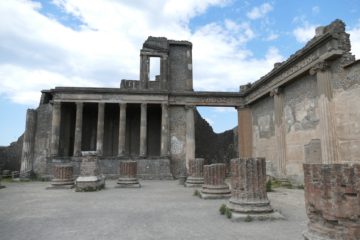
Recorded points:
158,210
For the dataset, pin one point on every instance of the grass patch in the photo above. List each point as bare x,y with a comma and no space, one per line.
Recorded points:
222,209
248,218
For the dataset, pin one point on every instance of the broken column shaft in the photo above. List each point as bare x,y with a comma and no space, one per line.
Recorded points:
214,182
128,174
196,173
63,176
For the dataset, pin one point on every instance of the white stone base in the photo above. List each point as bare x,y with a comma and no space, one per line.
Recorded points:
214,196
89,183
248,217
312,236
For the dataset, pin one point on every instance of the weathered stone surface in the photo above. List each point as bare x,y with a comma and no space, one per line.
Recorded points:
63,176
214,186
90,178
332,199
313,151
196,173
128,174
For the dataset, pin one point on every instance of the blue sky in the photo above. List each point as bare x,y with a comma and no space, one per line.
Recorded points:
44,44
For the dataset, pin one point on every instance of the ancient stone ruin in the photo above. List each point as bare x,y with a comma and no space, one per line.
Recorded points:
90,178
196,173
63,176
128,174
214,186
332,199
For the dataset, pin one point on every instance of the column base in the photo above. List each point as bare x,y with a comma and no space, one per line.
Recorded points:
128,183
255,207
215,192
194,182
89,183
61,184
313,236
248,217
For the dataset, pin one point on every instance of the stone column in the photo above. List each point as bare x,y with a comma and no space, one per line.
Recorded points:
100,129
248,186
190,134
28,144
332,197
143,130
214,182
128,174
245,132
280,131
164,147
196,173
144,71
122,129
63,176
163,72
55,128
329,149
78,129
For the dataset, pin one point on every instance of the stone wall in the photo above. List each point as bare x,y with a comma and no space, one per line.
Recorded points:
10,156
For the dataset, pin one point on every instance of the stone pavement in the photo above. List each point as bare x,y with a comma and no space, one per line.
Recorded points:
159,210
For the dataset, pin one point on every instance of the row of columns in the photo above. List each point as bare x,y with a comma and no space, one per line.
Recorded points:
56,120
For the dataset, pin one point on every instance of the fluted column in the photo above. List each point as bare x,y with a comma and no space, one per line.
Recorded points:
245,132
280,131
28,143
214,182
128,174
122,129
329,148
190,134
196,173
143,130
248,179
164,147
55,128
100,129
78,129
63,175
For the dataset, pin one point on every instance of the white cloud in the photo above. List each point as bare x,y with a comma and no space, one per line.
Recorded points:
355,41
38,52
315,9
304,33
271,37
260,11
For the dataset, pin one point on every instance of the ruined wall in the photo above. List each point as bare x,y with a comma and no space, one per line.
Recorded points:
301,122
10,156
264,129
42,138
214,148
346,98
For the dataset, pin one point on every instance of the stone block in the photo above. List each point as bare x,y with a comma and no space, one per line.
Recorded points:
90,178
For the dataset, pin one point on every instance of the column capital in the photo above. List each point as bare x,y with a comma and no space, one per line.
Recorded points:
275,91
319,67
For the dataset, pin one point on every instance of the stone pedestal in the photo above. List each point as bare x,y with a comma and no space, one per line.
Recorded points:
90,178
128,175
248,190
63,176
332,201
196,173
214,182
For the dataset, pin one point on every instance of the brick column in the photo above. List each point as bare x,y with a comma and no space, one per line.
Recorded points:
244,132
332,201
128,174
190,134
214,182
143,130
55,129
63,175
280,131
122,129
28,144
78,129
248,186
164,147
196,173
329,149
100,129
